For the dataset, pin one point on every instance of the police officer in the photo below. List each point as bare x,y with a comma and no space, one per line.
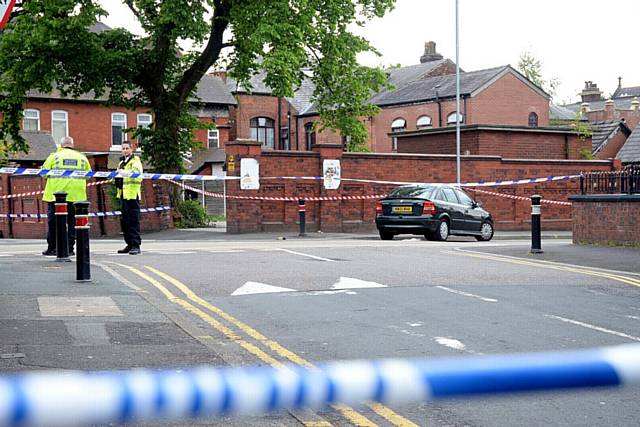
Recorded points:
67,158
129,194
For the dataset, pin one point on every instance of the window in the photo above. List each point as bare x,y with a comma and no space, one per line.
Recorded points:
31,120
423,122
213,138
449,195
451,118
464,199
309,135
144,121
118,124
533,120
59,125
262,130
398,125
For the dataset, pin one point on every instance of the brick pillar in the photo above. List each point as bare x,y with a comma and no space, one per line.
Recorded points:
243,216
330,215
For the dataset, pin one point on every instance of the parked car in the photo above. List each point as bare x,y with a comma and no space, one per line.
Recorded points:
433,210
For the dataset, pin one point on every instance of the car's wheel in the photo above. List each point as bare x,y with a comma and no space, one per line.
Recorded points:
486,232
385,235
442,233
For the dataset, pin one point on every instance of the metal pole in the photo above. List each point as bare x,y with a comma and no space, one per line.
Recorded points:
457,100
536,246
302,213
62,234
83,262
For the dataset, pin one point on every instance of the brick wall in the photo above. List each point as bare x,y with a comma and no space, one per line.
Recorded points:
250,106
610,150
518,143
154,193
606,219
353,215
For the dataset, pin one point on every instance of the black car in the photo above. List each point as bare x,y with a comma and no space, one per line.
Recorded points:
435,211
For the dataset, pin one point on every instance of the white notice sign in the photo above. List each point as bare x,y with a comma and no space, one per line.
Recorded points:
249,174
331,174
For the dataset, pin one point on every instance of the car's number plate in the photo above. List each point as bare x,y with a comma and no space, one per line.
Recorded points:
402,209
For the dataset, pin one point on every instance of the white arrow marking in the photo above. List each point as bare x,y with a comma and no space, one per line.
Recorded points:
259,288
350,283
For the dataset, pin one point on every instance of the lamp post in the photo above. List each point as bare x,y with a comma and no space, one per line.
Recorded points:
288,130
457,101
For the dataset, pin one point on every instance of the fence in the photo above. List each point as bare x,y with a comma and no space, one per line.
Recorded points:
626,181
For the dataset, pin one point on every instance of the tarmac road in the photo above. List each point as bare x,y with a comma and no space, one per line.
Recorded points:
337,297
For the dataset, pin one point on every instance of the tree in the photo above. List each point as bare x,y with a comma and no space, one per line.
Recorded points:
531,67
48,44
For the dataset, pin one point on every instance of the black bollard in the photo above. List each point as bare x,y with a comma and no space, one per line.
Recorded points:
83,266
62,234
302,213
536,246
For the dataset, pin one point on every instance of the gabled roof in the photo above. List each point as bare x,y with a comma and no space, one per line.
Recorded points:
202,157
403,75
40,146
626,92
604,131
471,83
630,151
210,90
558,112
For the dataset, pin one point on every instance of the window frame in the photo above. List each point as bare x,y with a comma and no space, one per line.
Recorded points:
138,124
124,134
66,124
309,135
263,130
455,196
423,126
24,117
535,116
216,138
453,114
394,129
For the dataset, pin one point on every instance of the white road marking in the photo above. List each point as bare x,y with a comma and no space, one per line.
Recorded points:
451,343
5,255
341,291
466,294
307,255
351,283
259,288
634,317
224,251
595,328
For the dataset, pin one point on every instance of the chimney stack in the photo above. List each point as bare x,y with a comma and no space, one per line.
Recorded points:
590,93
430,53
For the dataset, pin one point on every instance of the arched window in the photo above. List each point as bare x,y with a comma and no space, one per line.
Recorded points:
398,125
262,130
533,120
31,119
423,122
451,118
309,135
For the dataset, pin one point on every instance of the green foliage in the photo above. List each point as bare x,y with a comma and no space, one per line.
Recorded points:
582,127
191,214
47,45
112,193
585,154
531,68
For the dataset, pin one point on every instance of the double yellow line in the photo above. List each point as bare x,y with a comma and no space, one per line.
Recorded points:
350,414
549,265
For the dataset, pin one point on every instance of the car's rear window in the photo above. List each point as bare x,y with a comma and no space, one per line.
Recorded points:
412,191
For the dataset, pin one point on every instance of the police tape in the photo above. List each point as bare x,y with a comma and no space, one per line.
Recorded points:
85,398
35,193
510,196
69,173
278,199
92,214
61,173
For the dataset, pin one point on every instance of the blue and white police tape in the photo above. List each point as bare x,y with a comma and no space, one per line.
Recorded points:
94,214
79,398
67,173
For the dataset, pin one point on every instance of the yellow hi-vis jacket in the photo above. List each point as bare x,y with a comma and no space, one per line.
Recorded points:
130,186
67,159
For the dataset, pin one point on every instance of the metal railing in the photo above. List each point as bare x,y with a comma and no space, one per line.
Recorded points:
626,181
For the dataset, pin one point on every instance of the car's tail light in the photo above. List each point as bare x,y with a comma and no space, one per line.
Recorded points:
378,208
428,208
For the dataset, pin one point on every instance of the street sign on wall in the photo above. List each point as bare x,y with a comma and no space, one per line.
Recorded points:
6,6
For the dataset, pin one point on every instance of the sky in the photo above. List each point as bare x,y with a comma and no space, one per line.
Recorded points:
575,40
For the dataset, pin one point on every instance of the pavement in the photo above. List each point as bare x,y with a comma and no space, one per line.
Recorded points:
50,321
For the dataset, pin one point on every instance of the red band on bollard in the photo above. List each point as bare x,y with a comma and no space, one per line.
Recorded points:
82,222
61,209
301,208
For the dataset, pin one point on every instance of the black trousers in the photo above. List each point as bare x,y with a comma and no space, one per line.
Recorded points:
51,225
130,222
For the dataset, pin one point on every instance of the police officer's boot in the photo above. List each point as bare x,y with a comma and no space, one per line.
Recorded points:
125,250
